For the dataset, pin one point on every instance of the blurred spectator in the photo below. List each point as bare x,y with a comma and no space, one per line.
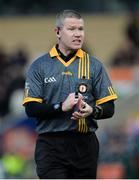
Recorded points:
2,170
3,81
133,148
132,29
17,143
132,5
128,53
12,78
14,165
119,156
3,59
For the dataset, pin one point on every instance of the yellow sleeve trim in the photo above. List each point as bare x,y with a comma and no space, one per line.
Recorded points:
30,99
105,99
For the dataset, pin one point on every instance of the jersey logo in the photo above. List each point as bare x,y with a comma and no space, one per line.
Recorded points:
82,88
49,80
67,73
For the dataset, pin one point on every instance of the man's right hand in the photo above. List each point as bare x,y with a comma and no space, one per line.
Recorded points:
70,102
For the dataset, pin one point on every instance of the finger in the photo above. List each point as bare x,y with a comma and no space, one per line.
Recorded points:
77,115
73,118
84,105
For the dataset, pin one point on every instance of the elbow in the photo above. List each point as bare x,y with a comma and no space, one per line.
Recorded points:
29,112
111,113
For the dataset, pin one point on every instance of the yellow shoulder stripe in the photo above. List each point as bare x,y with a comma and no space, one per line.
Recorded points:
30,99
105,99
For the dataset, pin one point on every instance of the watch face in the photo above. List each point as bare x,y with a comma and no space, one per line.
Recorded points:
56,106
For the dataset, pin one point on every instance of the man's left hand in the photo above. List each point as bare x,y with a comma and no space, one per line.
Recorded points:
84,111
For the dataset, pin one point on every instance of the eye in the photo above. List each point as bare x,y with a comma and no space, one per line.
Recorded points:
71,29
81,28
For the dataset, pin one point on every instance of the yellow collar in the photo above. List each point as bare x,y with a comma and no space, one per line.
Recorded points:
53,52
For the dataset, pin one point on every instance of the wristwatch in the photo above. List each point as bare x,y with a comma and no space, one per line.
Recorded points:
97,112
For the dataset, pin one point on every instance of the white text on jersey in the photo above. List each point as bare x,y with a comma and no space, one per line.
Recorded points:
49,80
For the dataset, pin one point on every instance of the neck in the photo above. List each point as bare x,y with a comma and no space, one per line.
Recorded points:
66,58
65,51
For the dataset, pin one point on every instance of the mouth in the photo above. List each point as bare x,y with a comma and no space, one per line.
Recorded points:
76,41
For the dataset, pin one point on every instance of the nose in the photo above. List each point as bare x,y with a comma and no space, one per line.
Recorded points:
77,33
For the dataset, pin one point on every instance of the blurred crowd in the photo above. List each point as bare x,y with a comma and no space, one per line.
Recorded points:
119,145
17,133
128,53
41,7
12,69
119,151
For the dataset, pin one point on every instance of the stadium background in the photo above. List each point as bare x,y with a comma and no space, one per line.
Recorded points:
26,33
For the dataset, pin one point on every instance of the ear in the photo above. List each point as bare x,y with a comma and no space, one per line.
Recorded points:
57,29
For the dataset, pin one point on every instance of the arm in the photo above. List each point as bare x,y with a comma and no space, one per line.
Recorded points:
42,110
103,111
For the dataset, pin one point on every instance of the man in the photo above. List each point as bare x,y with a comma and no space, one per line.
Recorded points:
67,91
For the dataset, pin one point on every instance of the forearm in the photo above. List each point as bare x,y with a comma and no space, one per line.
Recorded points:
41,110
103,111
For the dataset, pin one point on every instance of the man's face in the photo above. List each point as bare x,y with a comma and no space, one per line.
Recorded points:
71,35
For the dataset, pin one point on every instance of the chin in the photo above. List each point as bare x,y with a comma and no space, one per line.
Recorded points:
76,47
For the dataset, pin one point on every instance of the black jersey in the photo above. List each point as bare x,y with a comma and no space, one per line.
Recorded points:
50,80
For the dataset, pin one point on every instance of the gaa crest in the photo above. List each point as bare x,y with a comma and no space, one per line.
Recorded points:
82,88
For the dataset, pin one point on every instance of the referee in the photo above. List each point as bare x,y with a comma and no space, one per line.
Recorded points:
68,91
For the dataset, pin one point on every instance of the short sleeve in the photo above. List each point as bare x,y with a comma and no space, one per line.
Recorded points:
34,84
102,88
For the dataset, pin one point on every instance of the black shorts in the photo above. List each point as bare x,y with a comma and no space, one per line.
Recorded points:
66,155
